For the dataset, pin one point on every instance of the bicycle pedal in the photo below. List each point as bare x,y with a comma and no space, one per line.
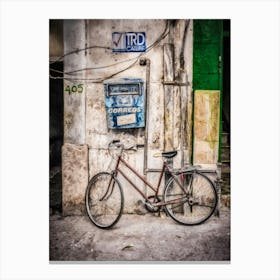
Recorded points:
140,202
149,205
140,208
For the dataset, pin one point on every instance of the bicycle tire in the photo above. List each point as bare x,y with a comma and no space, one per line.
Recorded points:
104,202
197,202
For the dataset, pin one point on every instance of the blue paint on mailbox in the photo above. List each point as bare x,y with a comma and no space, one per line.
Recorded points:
125,103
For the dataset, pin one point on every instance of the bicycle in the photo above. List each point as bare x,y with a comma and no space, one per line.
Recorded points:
189,196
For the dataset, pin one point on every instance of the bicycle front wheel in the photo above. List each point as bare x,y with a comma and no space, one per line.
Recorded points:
191,198
104,200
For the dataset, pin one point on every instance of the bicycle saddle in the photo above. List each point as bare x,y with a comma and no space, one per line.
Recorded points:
170,154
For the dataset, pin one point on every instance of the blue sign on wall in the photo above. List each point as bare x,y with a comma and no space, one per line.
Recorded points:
125,103
129,42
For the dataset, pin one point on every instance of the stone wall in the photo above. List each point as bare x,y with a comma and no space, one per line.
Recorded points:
74,178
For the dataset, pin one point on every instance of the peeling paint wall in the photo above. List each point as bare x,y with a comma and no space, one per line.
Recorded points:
206,126
169,111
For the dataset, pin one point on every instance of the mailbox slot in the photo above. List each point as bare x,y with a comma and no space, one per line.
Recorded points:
133,89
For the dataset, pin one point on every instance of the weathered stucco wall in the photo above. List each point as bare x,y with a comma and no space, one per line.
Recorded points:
74,91
74,177
170,89
206,126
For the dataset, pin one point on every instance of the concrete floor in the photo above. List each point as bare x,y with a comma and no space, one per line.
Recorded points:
140,238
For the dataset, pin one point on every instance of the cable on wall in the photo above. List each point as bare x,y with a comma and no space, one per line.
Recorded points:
71,73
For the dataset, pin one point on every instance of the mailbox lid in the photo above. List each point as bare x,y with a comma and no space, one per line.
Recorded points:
122,83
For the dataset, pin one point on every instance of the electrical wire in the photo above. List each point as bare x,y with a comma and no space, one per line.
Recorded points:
162,36
93,68
149,48
103,47
79,50
94,80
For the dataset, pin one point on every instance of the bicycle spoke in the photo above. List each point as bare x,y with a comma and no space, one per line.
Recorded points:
195,207
104,204
191,208
203,205
177,206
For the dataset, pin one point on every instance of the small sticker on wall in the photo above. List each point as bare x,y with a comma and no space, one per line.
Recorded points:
126,119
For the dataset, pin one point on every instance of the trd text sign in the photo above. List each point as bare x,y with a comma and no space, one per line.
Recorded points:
129,42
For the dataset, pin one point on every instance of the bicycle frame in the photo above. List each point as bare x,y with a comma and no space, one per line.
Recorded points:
163,170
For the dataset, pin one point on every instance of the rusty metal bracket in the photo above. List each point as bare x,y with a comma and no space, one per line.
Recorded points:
175,83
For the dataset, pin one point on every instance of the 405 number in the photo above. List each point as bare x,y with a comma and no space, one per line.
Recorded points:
74,89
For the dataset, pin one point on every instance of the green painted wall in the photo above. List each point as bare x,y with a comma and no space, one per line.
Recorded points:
207,66
207,57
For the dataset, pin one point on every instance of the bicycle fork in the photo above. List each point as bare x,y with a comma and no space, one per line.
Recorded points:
106,196
188,191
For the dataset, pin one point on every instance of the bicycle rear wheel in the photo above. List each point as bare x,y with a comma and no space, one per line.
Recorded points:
191,198
104,200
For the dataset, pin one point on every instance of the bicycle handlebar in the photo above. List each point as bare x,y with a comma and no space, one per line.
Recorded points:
117,143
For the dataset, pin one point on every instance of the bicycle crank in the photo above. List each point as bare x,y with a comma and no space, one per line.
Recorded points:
149,205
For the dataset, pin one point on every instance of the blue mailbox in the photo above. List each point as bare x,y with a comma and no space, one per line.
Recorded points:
125,103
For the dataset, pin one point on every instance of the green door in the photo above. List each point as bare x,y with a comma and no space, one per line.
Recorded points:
207,59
